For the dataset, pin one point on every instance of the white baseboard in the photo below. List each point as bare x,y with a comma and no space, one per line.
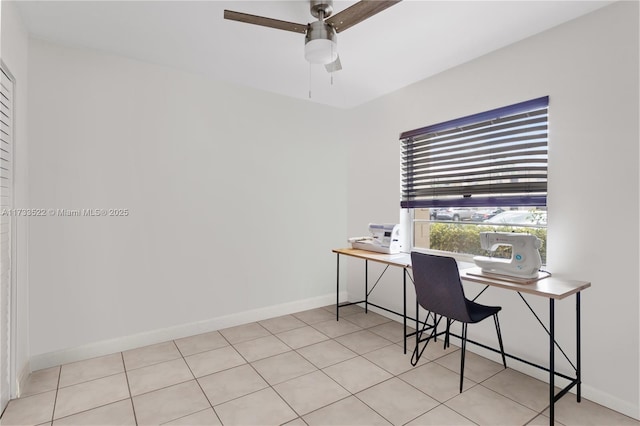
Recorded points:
124,343
625,407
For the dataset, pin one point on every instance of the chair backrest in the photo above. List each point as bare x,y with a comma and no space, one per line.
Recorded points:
438,286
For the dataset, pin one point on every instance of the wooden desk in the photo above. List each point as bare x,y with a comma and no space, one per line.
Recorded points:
551,288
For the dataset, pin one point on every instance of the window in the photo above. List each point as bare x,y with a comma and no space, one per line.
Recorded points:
487,171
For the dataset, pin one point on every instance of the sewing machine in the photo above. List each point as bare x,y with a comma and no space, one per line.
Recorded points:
384,238
525,257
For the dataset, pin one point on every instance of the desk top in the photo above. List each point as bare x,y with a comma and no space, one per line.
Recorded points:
402,260
550,287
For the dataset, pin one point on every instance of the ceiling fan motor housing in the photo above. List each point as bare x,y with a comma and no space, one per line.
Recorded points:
320,43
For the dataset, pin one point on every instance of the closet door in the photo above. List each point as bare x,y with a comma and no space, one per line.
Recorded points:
6,227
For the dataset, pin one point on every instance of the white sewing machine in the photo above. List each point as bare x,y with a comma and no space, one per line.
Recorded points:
384,238
525,258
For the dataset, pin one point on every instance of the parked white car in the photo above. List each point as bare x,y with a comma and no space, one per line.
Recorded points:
519,217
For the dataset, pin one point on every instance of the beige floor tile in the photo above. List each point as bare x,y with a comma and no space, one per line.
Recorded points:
326,353
170,403
442,416
117,414
31,410
88,395
486,407
296,422
301,337
476,368
357,374
333,328
156,376
263,408
569,412
310,392
90,369
366,320
521,388
393,359
542,420
344,310
314,315
242,333
349,411
397,401
41,381
363,341
283,323
213,361
201,418
436,381
434,350
230,384
201,343
262,347
95,389
393,331
283,367
149,355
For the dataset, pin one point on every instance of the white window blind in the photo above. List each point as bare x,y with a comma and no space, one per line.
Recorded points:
6,202
495,158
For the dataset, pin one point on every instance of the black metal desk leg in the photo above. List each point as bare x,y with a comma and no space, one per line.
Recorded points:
551,360
366,286
404,306
578,368
418,325
337,286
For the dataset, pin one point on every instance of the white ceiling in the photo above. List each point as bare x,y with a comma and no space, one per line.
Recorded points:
406,43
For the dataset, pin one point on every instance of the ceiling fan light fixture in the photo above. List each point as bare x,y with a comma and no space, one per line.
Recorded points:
321,51
320,46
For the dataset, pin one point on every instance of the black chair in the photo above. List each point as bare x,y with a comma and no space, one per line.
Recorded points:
439,291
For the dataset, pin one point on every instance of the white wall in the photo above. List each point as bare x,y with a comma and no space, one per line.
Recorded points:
589,68
236,198
107,132
14,54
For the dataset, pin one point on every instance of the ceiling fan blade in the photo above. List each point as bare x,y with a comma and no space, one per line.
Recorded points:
357,13
265,22
334,66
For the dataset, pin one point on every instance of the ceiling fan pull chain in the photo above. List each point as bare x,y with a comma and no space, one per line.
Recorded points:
333,68
309,80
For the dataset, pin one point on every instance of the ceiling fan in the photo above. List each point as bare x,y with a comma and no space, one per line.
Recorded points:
320,36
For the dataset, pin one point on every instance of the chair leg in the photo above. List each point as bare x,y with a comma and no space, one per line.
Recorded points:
463,349
417,352
504,359
446,336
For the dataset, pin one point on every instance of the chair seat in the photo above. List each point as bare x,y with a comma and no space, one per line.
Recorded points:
478,312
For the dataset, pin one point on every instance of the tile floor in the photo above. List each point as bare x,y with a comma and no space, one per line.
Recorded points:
298,369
